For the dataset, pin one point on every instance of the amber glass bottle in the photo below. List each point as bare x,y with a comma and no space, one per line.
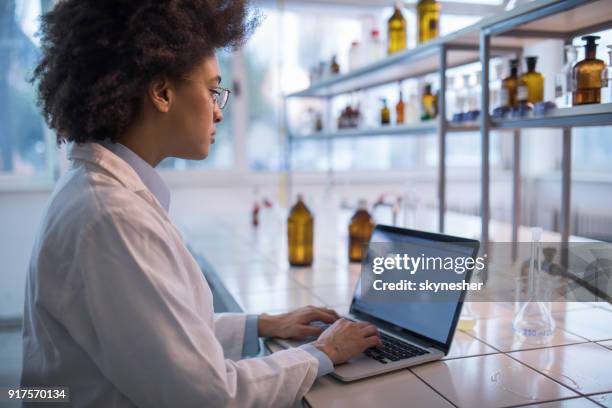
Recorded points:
300,226
509,86
533,81
360,230
429,19
430,104
385,113
334,66
396,27
587,75
400,109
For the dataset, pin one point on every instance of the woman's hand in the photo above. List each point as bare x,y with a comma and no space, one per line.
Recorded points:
295,324
345,339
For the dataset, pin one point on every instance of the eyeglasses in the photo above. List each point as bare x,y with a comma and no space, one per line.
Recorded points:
221,95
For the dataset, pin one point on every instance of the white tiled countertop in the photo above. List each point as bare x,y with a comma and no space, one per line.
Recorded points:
486,367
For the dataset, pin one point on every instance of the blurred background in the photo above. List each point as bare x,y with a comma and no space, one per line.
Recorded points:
249,160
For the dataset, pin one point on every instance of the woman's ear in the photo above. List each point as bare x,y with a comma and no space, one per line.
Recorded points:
161,94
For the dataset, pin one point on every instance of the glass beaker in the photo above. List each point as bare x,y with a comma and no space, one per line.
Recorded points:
534,323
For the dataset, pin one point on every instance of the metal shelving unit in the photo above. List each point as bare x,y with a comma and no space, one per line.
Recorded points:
502,34
436,56
563,20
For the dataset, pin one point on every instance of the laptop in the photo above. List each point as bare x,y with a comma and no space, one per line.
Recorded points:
412,332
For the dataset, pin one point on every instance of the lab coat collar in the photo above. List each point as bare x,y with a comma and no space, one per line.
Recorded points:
123,171
145,171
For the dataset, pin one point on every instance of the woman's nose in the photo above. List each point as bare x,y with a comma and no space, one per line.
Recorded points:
217,114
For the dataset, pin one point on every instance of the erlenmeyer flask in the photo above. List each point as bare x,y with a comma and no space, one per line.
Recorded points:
534,323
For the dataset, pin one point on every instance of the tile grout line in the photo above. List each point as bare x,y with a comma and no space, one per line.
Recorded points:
595,395
432,388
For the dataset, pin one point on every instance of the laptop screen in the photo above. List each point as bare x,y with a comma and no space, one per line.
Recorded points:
433,319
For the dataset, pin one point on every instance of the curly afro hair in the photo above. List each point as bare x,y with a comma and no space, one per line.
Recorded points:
98,57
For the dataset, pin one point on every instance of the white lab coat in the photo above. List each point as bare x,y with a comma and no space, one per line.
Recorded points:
117,309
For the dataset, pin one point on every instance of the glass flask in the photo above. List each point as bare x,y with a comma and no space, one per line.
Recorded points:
534,323
300,234
360,229
587,75
534,81
396,27
428,12
563,80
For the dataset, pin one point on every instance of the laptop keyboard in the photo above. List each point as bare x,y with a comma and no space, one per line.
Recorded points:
392,349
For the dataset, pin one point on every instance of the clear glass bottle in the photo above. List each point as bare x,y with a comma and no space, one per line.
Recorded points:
376,48
607,79
474,97
412,109
509,86
400,109
563,80
463,96
354,56
385,113
451,97
430,104
587,75
534,81
534,323
428,14
300,226
396,27
360,229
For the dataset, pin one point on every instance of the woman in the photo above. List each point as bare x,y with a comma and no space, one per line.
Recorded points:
116,307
